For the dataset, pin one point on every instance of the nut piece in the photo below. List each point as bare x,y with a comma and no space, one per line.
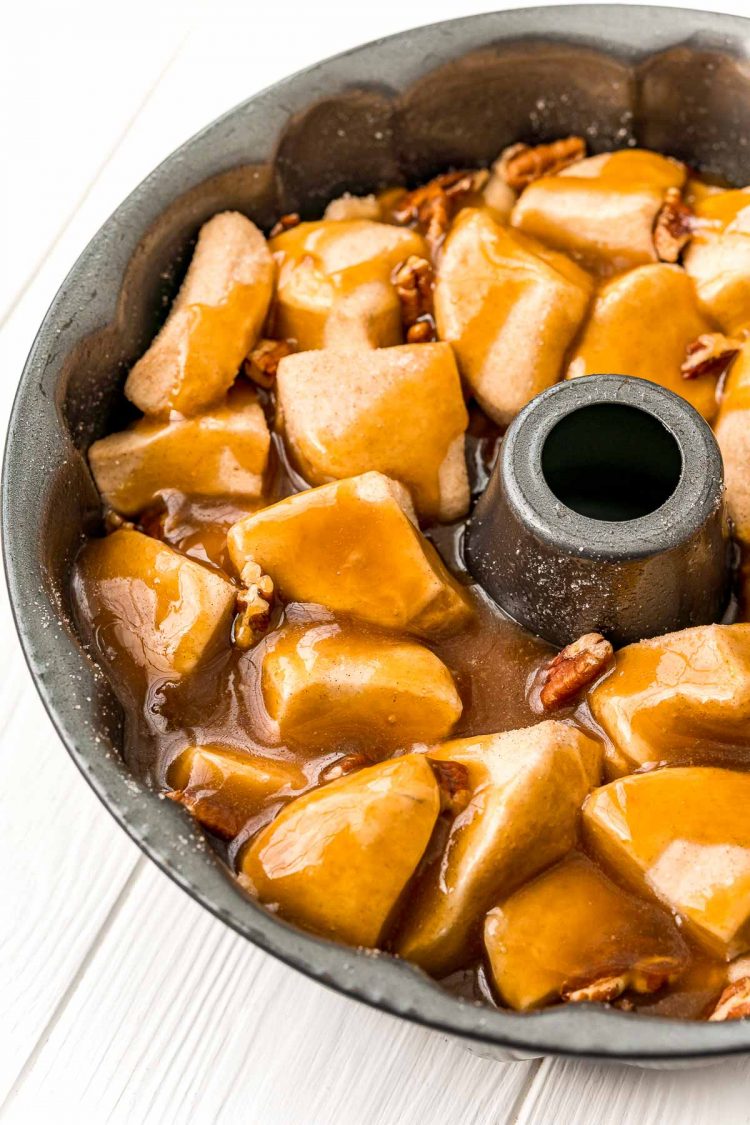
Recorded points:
455,789
711,354
414,280
353,207
262,363
113,521
252,607
673,228
598,991
342,766
519,165
431,207
286,222
645,977
574,668
734,1002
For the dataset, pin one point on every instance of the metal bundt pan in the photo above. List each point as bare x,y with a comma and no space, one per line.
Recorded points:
396,110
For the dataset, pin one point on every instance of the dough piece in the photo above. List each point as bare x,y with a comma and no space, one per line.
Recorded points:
152,608
215,320
526,787
641,324
397,410
573,934
683,835
335,287
733,435
603,209
220,453
510,308
223,787
337,860
718,258
684,696
327,685
353,546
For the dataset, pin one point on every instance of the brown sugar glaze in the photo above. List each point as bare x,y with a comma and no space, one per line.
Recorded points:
493,662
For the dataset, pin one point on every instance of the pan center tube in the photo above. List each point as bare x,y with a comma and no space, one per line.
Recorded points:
605,511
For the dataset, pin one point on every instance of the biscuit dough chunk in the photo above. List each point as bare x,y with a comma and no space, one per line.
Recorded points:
684,696
733,435
510,307
621,338
335,287
215,320
223,452
683,835
223,787
603,209
526,790
573,934
397,410
153,609
718,258
337,860
353,546
327,685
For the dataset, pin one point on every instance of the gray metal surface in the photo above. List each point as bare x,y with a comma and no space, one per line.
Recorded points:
634,541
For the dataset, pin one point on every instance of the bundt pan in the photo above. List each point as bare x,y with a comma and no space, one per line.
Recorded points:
398,110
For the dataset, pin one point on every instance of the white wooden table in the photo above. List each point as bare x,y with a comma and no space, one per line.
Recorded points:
120,999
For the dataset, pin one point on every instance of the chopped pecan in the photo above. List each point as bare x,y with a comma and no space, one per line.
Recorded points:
597,991
711,354
673,228
252,607
519,165
734,1002
453,779
342,766
646,976
220,819
286,222
353,207
413,280
574,668
113,521
431,207
262,363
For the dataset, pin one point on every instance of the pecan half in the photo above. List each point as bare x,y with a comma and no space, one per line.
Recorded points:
519,165
342,766
453,779
574,668
734,1002
597,991
711,354
673,228
431,207
413,280
646,976
286,222
263,362
252,607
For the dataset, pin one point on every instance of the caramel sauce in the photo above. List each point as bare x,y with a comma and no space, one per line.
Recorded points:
220,709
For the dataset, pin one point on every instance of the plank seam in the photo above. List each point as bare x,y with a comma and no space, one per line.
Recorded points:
138,867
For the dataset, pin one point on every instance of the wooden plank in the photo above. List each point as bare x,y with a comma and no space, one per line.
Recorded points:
590,1094
71,86
179,1019
64,865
